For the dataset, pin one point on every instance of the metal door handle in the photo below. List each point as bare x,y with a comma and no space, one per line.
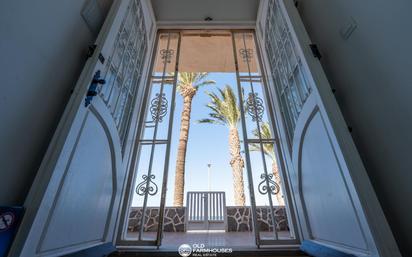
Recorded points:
92,91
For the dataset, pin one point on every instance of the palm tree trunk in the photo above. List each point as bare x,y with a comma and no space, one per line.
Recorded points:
237,164
279,195
181,151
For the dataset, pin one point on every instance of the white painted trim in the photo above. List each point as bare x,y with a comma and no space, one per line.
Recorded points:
206,25
149,15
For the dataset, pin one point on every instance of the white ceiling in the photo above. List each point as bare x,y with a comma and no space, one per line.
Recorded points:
197,10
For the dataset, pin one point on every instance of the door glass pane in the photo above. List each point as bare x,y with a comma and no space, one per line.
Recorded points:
124,67
284,62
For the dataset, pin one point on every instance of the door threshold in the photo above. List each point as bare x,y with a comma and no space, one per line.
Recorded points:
290,250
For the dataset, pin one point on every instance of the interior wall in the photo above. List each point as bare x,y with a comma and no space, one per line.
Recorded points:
371,72
43,48
181,11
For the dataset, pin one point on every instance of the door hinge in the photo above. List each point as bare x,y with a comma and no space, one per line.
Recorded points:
101,58
315,51
90,51
296,3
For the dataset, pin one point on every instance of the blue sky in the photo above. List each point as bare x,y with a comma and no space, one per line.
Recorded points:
207,144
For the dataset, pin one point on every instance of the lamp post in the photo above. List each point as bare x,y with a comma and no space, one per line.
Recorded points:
208,174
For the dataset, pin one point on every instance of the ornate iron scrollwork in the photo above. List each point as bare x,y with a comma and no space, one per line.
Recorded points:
246,54
147,186
254,106
274,188
158,107
166,55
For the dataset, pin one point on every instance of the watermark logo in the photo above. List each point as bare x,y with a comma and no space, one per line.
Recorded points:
201,250
185,250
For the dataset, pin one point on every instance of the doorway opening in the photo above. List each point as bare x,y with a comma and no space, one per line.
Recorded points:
207,170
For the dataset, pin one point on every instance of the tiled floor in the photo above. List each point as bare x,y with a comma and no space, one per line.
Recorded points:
211,238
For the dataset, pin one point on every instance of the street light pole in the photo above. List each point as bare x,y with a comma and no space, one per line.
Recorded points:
208,174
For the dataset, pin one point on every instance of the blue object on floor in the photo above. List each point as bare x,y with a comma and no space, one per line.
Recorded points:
317,250
10,217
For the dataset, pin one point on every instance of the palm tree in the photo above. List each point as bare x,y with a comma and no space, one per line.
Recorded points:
187,85
269,150
225,111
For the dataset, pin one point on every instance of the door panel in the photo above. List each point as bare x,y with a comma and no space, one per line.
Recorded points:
330,205
75,198
96,180
325,196
335,202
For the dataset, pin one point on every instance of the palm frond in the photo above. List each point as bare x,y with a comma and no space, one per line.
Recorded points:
224,107
193,79
210,121
265,133
205,83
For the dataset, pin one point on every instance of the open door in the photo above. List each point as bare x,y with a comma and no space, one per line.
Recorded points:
74,201
334,199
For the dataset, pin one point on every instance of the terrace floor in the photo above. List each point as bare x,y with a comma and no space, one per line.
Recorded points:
210,238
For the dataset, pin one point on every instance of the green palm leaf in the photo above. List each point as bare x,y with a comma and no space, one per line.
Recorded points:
224,108
193,79
268,148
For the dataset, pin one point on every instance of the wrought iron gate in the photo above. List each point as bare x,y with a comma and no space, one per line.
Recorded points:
206,211
256,117
152,162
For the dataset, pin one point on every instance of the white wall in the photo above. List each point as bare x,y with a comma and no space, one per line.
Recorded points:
197,10
42,51
371,72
